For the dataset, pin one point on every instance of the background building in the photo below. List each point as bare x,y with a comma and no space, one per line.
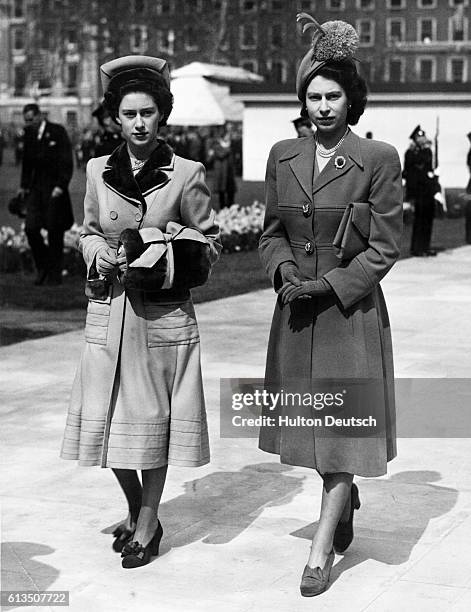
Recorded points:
51,49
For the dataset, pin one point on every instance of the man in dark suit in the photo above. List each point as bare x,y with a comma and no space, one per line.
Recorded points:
421,187
46,173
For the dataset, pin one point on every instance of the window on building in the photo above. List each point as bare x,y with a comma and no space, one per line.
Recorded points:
248,35
366,5
456,70
19,39
336,5
248,6
427,4
56,5
71,119
395,4
138,7
307,5
192,6
20,80
72,74
426,30
191,38
18,8
138,38
277,71
71,39
249,64
106,37
426,69
164,7
277,35
457,28
396,30
365,29
367,71
396,70
165,40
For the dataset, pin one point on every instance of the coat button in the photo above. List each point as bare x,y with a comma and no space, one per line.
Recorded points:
309,248
113,215
138,217
307,210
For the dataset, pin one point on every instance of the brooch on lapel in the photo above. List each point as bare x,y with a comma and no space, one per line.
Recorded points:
340,162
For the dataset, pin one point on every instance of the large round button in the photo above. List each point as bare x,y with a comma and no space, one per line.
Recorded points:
307,210
309,248
138,217
113,215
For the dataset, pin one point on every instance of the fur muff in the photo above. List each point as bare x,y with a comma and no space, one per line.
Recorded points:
192,265
141,279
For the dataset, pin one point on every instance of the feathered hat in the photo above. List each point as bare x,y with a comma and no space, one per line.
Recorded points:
331,41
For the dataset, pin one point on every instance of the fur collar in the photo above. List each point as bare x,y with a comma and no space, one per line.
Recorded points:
119,177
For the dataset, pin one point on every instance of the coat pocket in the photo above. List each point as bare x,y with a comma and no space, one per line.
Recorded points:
98,318
170,324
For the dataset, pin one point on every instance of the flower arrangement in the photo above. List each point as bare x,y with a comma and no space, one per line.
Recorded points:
241,228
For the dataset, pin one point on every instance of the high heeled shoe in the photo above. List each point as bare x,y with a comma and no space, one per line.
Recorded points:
343,535
315,580
136,555
121,536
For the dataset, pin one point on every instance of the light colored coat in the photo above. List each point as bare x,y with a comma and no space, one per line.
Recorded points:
137,400
345,335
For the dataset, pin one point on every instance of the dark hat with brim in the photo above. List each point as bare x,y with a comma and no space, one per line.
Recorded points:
133,68
418,131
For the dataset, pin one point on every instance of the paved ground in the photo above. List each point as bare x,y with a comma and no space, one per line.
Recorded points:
237,531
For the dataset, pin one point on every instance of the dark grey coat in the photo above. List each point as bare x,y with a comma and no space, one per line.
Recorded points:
346,335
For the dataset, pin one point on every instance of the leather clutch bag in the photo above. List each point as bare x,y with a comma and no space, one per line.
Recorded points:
353,231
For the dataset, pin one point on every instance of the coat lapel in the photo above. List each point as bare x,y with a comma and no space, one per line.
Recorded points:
119,177
349,150
301,160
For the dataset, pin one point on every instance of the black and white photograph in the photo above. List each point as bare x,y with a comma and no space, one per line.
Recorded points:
235,255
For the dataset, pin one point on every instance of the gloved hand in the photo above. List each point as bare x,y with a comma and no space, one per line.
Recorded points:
306,289
106,261
289,273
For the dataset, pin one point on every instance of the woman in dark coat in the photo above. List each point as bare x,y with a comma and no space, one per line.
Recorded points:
330,319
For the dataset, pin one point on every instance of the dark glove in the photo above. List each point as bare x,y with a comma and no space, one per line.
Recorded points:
316,288
192,265
141,279
289,273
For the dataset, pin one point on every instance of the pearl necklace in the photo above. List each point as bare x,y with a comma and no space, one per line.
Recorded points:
323,152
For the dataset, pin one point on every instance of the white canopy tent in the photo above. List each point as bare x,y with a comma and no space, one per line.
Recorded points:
219,72
202,95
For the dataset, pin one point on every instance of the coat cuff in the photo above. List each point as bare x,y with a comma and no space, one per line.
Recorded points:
349,284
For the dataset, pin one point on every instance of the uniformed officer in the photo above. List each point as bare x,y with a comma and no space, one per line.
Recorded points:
421,186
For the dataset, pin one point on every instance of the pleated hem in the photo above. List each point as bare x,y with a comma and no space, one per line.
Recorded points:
137,466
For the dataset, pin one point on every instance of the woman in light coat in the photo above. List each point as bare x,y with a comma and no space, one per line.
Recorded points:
330,319
137,401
